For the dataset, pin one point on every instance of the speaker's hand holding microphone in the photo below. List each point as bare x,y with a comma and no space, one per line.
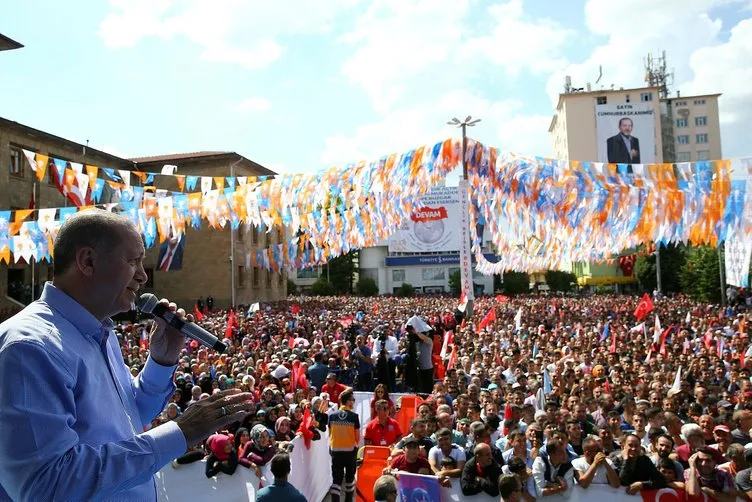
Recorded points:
168,339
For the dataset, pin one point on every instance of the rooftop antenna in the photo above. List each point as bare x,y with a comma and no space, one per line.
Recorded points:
657,74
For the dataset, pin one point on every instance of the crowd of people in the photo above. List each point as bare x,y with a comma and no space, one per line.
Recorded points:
546,393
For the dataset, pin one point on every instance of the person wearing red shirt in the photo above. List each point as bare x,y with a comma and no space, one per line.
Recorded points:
333,388
410,461
382,430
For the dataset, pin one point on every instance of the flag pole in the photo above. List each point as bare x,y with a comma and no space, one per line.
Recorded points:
465,257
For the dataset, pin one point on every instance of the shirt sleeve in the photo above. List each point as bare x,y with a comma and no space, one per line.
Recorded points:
41,456
539,476
152,388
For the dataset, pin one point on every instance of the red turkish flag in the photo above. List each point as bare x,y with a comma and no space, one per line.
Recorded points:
488,319
305,428
644,307
230,324
295,309
197,313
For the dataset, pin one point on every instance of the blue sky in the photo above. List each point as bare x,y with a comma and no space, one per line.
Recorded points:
306,85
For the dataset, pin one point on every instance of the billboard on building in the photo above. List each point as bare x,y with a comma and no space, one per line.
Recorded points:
626,133
434,226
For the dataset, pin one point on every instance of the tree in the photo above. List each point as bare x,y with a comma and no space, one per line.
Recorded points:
516,283
672,262
455,282
700,278
292,288
342,272
367,287
406,290
559,280
322,287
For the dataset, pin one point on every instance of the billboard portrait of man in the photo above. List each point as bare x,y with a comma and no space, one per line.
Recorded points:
171,253
623,148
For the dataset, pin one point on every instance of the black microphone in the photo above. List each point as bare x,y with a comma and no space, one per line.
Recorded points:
149,304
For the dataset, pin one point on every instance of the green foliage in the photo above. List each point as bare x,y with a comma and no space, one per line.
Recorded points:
292,288
558,280
367,287
700,278
406,290
516,283
455,282
342,272
673,258
322,287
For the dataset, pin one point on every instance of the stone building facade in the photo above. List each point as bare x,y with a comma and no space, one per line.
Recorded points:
209,267
206,265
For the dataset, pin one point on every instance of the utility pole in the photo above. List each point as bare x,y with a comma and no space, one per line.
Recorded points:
658,281
722,272
466,271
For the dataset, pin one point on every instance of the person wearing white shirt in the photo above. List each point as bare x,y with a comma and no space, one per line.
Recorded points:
552,471
594,467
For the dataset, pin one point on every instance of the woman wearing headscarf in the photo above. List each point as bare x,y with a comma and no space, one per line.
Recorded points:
259,450
222,455
282,430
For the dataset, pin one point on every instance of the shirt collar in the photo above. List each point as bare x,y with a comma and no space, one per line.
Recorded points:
73,312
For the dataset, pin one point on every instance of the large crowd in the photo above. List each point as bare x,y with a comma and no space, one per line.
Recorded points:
545,393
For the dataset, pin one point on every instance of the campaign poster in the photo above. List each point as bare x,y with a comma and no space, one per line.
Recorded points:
171,253
626,133
433,226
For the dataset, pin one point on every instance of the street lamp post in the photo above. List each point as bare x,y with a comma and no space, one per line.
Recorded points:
465,258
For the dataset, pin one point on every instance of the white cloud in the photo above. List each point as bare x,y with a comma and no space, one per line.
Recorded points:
255,104
227,31
516,44
397,40
503,124
416,61
727,68
692,39
634,28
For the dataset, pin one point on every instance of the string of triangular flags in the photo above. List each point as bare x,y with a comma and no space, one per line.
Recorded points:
558,211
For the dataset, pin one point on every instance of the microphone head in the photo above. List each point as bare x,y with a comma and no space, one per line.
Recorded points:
146,303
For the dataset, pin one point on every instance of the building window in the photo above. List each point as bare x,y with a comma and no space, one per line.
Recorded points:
701,121
682,122
256,277
308,273
699,101
680,103
281,277
646,96
601,100
682,157
627,99
398,275
241,276
269,277
16,162
434,274
240,233
703,155
682,139
702,138
254,235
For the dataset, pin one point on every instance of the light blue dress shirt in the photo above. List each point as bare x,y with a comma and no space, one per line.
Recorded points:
72,418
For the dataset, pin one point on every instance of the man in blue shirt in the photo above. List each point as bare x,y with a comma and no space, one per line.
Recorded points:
280,490
73,418
317,373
